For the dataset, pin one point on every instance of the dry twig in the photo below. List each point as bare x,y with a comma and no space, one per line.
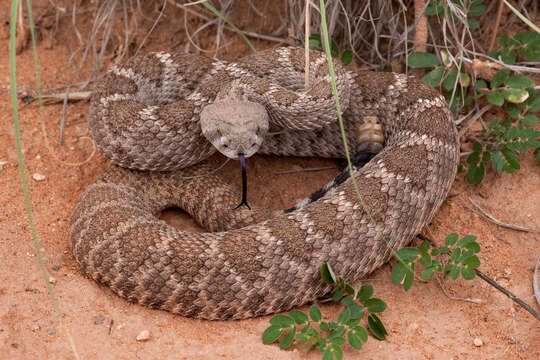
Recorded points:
491,218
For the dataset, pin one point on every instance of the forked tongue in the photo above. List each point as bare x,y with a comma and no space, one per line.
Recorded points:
244,182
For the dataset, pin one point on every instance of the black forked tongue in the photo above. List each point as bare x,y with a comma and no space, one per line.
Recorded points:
244,182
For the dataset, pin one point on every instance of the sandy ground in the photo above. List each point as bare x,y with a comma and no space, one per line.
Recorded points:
422,323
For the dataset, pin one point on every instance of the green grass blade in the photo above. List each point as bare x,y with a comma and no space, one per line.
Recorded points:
522,17
222,17
13,83
342,129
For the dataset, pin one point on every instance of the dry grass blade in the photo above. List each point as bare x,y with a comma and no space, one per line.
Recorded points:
491,218
536,288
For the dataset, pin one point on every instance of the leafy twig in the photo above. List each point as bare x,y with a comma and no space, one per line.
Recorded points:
497,286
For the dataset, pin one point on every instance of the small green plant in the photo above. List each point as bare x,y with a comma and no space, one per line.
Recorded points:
315,43
468,9
462,260
329,336
503,140
525,45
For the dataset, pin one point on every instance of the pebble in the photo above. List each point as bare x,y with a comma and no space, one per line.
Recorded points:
2,163
98,319
478,342
38,177
35,327
51,331
56,267
143,335
52,280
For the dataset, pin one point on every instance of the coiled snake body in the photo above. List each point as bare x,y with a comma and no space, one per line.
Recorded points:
146,114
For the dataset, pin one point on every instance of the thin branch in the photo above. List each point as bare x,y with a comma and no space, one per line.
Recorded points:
473,119
474,301
514,298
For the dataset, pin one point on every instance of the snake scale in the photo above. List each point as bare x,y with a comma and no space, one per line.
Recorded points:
149,114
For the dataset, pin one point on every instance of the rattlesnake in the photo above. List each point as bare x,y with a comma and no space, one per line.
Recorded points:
258,262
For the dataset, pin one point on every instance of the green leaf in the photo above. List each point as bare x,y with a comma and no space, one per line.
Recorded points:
434,77
512,110
327,274
456,253
338,353
287,341
472,262
425,260
354,340
324,326
407,254
454,271
348,301
422,60
398,273
466,240
519,82
498,162
315,42
424,246
337,340
480,84
364,293
428,273
477,10
451,239
444,250
517,96
503,40
334,51
508,56
361,332
271,334
473,246
409,278
499,78
475,174
299,317
473,24
467,273
338,294
450,80
344,315
315,313
376,326
530,120
533,103
433,9
495,98
346,57
328,354
282,321
357,311
464,80
375,305
511,157
349,289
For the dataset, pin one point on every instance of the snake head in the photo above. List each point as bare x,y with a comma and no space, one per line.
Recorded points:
235,127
